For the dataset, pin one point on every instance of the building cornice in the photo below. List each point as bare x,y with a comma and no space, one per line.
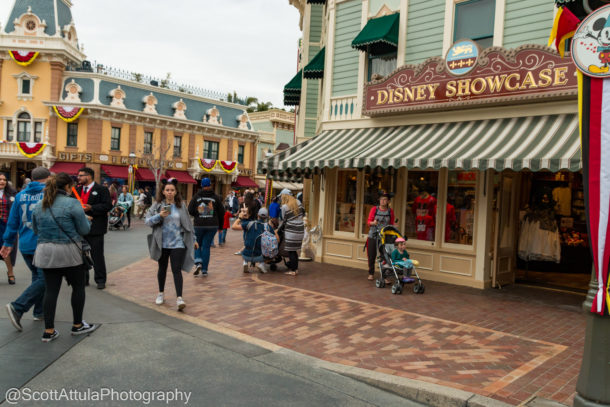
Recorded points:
95,111
52,45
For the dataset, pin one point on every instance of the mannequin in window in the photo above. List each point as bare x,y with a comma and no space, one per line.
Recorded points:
424,208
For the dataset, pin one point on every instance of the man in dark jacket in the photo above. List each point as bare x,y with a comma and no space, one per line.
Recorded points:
96,203
208,213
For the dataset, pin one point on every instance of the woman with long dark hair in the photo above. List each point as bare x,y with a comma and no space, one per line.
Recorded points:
7,197
60,223
171,239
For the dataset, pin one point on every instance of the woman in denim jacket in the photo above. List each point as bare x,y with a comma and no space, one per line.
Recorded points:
58,252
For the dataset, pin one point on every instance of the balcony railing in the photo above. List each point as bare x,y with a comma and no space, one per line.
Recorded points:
344,108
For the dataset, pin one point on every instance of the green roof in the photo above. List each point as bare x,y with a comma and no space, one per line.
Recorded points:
315,67
292,90
379,36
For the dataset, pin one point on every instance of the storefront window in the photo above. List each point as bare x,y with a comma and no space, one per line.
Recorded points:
345,215
420,216
461,191
374,186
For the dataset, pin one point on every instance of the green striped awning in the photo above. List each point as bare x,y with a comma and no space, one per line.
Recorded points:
315,67
292,90
379,36
536,143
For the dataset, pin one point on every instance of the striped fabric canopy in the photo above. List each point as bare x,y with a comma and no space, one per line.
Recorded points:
536,143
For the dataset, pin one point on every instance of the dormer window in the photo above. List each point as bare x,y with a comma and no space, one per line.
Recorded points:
25,85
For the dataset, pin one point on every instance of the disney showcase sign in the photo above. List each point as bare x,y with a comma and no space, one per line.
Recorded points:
468,77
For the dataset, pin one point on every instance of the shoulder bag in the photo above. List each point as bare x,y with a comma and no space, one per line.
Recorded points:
85,249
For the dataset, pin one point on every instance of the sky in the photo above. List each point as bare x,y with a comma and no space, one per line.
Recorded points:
246,46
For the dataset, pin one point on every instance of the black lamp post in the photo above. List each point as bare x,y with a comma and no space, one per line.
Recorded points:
593,387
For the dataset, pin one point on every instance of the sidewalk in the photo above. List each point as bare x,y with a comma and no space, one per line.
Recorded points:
512,345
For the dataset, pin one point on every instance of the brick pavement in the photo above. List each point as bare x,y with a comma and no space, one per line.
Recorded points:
511,344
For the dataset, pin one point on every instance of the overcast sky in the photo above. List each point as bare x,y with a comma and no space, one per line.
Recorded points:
247,46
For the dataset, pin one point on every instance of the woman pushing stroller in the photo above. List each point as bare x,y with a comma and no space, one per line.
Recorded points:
379,217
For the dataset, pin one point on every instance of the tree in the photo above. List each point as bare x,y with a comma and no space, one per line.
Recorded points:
165,82
157,165
263,106
137,77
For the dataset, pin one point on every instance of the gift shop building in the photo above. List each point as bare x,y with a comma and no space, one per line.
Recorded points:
458,109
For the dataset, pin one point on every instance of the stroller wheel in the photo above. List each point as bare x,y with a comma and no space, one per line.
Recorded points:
396,288
379,283
273,267
419,288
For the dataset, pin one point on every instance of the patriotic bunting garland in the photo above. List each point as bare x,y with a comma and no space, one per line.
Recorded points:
208,165
23,58
228,166
68,113
31,149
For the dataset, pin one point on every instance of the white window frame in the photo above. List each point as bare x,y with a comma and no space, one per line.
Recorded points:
498,39
20,77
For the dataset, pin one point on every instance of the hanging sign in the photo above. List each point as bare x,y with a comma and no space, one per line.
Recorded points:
467,78
591,44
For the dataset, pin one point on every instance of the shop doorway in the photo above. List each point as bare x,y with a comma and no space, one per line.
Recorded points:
552,242
505,230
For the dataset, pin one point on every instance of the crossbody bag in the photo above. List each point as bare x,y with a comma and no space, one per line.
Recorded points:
85,249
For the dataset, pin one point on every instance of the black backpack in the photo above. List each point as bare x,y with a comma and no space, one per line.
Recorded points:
147,198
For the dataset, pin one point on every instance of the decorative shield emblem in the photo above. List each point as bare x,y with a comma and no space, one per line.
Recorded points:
462,57
591,44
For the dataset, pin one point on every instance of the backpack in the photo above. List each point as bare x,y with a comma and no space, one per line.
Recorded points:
147,199
269,244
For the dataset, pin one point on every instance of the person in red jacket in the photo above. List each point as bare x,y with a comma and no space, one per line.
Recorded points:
379,217
222,235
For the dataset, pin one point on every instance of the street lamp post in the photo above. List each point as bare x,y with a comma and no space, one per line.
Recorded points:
593,387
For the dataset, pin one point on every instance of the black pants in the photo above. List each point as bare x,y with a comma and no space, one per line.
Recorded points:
75,276
99,262
293,261
371,251
128,217
176,259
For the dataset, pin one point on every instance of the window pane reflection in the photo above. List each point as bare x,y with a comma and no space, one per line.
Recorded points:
420,216
345,215
459,225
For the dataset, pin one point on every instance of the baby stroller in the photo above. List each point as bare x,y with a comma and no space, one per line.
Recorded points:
385,244
117,217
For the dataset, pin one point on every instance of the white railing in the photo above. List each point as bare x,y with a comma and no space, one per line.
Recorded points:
9,150
344,108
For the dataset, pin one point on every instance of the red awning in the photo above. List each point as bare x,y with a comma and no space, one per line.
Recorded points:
144,174
68,168
116,171
182,176
244,182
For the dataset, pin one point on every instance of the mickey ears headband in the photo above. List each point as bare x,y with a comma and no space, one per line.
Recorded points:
172,181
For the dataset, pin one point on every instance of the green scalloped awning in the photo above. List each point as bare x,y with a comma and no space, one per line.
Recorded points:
292,90
315,67
379,36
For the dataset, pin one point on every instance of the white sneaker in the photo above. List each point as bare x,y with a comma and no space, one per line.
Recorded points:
180,303
262,268
160,299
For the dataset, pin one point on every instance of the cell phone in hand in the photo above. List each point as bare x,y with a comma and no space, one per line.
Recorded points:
167,208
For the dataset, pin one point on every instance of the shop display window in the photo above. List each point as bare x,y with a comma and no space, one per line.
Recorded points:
420,214
461,192
374,186
345,212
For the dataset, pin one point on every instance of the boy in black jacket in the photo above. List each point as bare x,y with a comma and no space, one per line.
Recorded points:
208,214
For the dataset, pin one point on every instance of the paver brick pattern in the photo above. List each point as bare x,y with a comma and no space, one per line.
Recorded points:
509,344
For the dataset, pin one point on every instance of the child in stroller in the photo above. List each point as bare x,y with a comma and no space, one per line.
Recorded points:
117,217
394,262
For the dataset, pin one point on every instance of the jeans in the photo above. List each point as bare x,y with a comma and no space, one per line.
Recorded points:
222,236
34,294
205,238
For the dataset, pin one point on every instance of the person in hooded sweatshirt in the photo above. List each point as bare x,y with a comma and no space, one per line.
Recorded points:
208,213
20,221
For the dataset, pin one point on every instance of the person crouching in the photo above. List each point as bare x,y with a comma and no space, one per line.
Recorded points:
253,230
